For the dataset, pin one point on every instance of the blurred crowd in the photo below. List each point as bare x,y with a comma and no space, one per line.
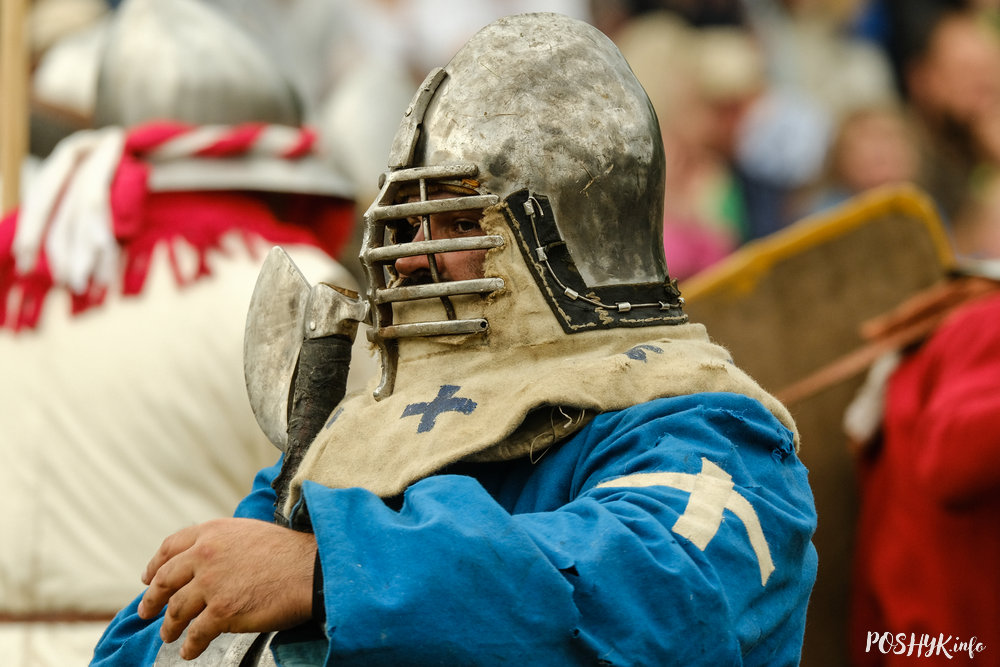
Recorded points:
770,109
773,110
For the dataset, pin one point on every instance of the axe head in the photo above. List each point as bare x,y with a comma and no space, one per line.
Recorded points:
272,340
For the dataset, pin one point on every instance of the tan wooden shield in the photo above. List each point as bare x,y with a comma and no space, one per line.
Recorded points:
789,308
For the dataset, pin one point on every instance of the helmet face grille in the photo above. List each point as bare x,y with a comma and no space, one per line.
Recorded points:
389,236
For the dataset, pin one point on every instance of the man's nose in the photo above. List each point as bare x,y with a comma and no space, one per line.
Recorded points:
407,266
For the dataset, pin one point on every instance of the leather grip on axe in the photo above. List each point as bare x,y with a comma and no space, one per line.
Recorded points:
319,384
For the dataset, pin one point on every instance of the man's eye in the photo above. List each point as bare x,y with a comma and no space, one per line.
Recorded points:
466,226
407,230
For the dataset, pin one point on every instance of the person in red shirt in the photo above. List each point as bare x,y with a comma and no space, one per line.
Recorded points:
926,582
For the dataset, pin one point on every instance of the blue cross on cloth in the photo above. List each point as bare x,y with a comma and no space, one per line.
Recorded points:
639,352
445,401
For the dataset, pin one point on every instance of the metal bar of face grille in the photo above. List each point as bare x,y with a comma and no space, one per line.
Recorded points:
435,290
393,252
432,206
433,172
432,265
433,329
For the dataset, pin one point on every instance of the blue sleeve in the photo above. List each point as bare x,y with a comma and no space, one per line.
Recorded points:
133,641
411,587
128,640
587,556
259,503
688,535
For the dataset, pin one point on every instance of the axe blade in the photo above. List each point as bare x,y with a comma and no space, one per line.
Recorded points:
272,340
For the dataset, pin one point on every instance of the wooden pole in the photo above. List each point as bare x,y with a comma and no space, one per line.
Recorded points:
14,82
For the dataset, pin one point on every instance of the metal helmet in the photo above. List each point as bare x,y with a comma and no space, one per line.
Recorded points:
538,115
188,61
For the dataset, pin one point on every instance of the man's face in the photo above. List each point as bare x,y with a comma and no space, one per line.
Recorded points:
463,265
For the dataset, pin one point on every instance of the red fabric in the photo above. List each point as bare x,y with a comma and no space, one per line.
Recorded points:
143,219
928,540
21,295
306,141
145,138
235,141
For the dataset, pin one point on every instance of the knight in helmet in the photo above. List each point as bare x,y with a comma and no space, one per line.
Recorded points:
554,466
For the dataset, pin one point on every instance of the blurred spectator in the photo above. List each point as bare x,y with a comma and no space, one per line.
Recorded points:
953,85
817,73
811,50
612,15
800,71
125,279
873,146
976,228
714,76
416,35
906,26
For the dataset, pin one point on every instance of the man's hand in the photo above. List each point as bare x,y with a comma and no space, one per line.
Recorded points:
229,575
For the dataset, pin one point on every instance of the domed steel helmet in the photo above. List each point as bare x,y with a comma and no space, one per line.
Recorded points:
540,115
187,60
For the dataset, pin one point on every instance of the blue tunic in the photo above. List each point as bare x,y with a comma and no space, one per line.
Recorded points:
673,532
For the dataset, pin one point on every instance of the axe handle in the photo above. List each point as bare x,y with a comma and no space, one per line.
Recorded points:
319,384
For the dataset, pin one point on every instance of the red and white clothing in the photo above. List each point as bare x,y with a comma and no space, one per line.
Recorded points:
106,198
123,407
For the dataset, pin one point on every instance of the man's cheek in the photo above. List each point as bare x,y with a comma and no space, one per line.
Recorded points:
474,268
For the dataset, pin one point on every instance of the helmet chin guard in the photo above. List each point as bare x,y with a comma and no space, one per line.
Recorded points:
577,306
